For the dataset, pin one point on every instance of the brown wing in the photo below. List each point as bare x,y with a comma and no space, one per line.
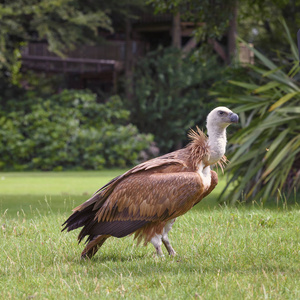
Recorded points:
143,198
170,161
84,214
155,196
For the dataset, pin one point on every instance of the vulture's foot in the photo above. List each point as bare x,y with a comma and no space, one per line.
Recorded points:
169,247
165,237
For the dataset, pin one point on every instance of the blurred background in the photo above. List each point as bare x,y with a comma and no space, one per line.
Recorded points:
87,85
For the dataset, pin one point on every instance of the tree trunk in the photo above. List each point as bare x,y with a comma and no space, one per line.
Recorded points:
176,31
128,60
176,42
232,33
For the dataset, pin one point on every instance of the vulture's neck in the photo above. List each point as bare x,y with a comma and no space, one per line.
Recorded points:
217,143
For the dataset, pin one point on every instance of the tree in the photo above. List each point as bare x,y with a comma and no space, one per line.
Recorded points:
214,19
253,20
258,23
214,15
63,23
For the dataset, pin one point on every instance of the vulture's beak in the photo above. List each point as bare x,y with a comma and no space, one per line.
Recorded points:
234,118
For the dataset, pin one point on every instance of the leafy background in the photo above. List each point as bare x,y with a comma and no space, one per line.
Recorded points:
68,130
265,159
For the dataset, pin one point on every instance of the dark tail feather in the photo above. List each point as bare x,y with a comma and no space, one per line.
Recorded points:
79,219
92,228
93,246
84,214
117,229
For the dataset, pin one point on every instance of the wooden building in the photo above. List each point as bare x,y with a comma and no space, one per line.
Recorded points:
98,67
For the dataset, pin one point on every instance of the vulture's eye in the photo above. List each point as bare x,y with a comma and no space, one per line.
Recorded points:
220,112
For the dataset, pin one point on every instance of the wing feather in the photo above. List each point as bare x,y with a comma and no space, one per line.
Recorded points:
152,197
101,195
141,199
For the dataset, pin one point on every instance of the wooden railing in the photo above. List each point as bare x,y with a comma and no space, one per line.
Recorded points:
85,59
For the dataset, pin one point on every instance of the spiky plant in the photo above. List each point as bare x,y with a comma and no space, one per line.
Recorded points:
266,150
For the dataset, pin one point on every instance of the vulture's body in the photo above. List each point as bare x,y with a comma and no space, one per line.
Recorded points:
147,199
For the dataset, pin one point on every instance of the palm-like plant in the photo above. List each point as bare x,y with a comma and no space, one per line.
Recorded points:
266,151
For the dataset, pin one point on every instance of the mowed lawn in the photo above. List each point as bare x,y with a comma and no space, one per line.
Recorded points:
246,252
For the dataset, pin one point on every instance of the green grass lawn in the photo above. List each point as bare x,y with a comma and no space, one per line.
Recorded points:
223,252
42,192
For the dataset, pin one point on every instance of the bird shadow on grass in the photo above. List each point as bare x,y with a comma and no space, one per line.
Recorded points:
141,265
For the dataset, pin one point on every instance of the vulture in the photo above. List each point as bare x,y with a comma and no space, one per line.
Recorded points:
147,199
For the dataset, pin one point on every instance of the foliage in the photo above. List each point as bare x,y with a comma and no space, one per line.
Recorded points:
214,16
258,23
170,94
62,23
67,130
23,21
266,151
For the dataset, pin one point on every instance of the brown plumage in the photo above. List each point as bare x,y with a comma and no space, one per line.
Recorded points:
148,198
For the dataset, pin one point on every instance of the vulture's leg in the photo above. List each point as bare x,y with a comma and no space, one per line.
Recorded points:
93,246
156,242
165,237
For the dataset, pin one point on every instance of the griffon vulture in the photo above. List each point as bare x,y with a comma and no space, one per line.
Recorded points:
147,199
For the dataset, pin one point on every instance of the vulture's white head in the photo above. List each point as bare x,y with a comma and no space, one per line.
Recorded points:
217,121
220,118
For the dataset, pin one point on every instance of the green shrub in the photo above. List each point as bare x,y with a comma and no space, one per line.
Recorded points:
68,130
170,94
